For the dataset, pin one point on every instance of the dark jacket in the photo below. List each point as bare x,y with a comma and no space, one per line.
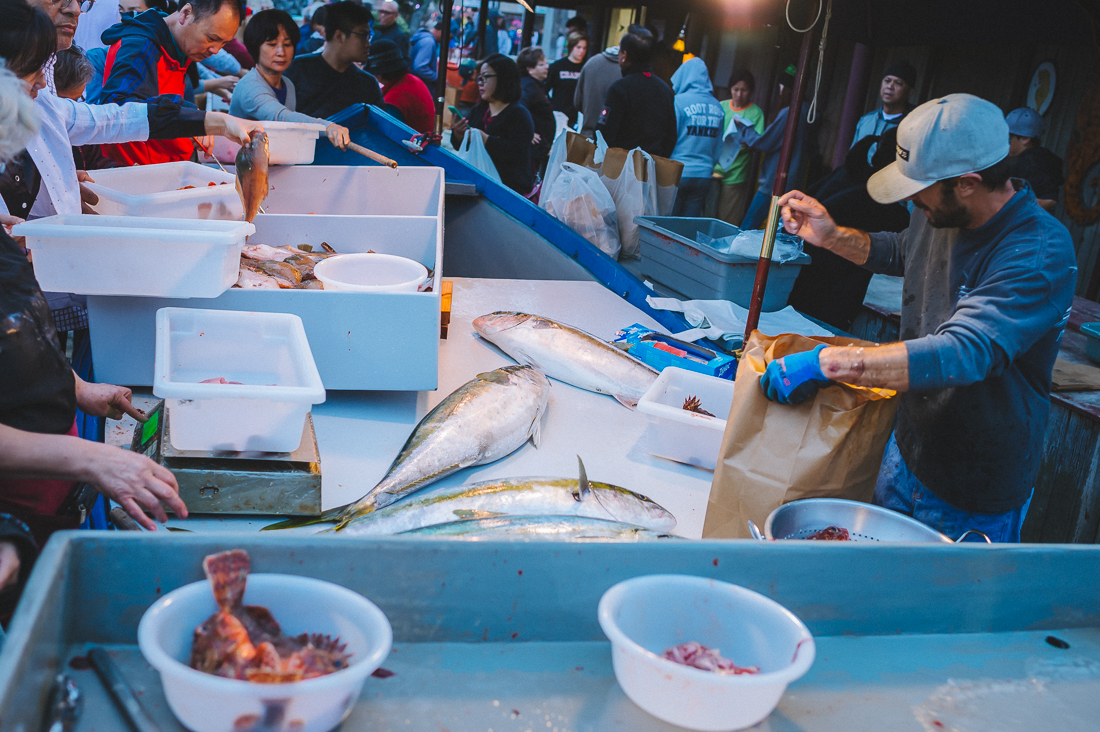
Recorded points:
323,91
143,62
509,143
639,112
424,54
542,114
561,83
393,33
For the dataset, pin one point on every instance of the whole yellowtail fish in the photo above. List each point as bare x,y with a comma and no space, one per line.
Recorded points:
252,161
513,497
538,528
481,421
568,354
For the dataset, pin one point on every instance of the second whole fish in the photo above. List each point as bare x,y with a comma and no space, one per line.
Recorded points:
514,497
482,421
568,354
535,528
251,163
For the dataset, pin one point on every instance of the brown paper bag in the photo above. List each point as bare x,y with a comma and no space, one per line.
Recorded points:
775,453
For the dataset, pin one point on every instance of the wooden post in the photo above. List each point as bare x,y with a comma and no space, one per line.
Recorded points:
482,25
794,116
445,6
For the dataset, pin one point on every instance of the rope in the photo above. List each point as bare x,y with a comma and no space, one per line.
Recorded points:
787,12
811,116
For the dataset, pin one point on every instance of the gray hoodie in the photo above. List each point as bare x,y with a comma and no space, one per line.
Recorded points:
597,76
699,120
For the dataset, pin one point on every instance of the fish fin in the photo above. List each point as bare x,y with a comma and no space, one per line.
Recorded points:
536,431
495,376
333,514
627,401
583,487
466,513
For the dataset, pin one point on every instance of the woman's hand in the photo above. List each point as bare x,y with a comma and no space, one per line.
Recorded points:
459,125
8,221
222,86
106,400
133,481
9,564
536,139
236,129
338,136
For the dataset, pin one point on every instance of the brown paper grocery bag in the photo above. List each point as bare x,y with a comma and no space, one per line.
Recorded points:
776,453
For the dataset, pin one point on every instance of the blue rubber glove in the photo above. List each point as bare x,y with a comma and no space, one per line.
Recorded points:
795,378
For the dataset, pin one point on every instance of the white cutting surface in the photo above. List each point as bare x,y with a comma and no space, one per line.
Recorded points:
359,433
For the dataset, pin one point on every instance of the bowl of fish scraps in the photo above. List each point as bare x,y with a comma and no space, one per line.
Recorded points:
269,651
371,272
702,654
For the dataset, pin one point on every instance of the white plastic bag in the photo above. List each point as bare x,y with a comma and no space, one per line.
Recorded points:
577,197
559,152
472,151
632,197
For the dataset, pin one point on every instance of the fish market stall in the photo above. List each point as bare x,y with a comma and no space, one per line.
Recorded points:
359,433
505,637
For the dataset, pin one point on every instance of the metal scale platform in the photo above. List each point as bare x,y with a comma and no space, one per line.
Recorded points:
223,482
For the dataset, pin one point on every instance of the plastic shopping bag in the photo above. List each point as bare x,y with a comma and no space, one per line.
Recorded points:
579,199
827,447
559,153
472,151
630,178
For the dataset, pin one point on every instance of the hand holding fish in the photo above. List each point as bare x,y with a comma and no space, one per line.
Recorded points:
236,129
338,135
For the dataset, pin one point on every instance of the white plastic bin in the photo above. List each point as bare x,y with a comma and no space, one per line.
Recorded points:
121,255
267,352
288,143
680,435
359,190
154,190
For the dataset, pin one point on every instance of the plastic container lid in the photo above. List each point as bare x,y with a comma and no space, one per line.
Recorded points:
371,272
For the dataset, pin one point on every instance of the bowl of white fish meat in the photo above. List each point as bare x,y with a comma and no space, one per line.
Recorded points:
262,651
702,654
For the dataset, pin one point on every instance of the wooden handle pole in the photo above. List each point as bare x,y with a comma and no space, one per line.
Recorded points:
372,155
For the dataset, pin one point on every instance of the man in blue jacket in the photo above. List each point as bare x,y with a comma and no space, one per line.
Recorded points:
989,281
699,120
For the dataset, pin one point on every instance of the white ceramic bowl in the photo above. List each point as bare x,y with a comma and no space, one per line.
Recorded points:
646,615
206,703
371,273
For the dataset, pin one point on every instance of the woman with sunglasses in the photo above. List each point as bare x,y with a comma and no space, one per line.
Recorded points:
503,123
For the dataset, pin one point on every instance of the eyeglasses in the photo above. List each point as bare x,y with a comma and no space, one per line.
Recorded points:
363,35
484,78
85,5
387,12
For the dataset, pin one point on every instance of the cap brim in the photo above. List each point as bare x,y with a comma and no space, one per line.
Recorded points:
889,185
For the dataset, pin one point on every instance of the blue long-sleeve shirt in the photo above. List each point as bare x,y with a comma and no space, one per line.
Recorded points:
771,142
424,52
983,312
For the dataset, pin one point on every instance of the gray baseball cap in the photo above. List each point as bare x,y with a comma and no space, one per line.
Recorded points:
940,139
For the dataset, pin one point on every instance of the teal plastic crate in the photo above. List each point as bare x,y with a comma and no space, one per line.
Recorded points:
1092,340
671,256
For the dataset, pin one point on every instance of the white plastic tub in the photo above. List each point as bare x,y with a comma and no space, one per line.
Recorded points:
644,616
371,272
207,703
122,255
288,143
154,190
266,352
680,435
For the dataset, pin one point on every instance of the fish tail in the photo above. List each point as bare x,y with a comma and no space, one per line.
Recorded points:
333,514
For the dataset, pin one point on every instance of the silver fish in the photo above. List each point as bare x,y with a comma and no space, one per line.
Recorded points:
481,421
513,497
544,528
251,166
568,354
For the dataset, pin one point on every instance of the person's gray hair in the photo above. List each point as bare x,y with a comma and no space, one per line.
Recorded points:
18,117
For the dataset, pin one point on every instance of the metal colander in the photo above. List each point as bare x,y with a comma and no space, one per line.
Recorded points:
864,522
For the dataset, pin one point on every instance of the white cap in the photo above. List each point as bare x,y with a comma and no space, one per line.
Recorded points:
942,138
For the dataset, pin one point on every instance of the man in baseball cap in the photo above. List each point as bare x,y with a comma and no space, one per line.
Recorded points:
989,280
1030,160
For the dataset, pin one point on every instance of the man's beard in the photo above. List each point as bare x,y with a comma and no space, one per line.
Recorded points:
951,215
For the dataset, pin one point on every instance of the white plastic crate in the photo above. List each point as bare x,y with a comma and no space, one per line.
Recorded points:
680,435
154,190
288,143
267,352
360,190
122,255
385,341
